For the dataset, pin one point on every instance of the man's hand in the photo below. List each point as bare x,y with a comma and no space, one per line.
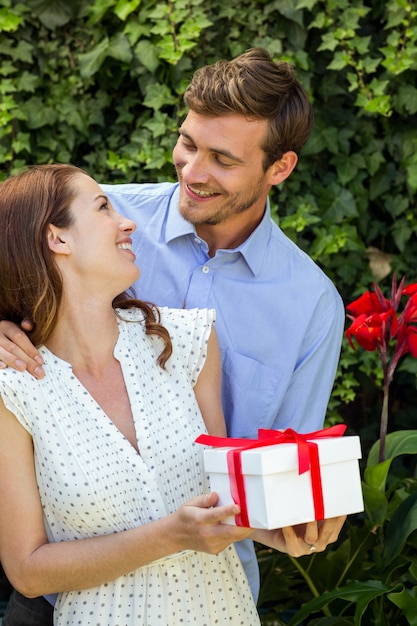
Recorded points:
17,351
302,539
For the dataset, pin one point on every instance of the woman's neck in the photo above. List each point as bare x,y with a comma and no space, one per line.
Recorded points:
85,337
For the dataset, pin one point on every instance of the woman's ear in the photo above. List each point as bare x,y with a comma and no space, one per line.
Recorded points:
57,240
280,170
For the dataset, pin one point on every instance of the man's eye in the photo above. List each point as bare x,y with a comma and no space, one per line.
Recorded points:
222,163
188,146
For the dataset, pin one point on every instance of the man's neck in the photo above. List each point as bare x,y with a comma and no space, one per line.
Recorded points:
227,235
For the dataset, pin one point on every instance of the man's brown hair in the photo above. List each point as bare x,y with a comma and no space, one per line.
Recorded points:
256,86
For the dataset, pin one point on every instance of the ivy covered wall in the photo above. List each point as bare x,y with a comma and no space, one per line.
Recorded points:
99,83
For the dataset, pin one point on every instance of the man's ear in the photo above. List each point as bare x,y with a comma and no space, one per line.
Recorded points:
280,170
57,241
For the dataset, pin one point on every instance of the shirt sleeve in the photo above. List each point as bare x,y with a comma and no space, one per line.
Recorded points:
304,405
190,331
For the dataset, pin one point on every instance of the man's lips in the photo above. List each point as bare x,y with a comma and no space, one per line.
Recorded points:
201,194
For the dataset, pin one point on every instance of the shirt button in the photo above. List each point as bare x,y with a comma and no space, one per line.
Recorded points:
205,269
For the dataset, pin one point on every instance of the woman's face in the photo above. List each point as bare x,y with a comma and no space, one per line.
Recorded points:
97,247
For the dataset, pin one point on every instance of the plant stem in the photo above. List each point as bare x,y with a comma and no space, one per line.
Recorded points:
310,583
384,421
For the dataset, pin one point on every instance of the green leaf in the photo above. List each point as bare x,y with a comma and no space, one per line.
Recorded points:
402,524
348,167
401,232
22,143
147,55
53,13
407,98
359,593
9,21
306,4
90,62
396,443
98,9
119,48
406,600
125,7
376,475
376,504
157,96
38,114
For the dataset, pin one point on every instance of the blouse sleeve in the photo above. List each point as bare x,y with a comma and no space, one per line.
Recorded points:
11,383
190,331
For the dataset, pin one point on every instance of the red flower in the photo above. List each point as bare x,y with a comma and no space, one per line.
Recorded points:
376,325
410,289
412,340
367,304
367,330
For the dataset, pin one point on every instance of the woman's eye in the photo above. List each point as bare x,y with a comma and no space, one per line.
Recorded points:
104,206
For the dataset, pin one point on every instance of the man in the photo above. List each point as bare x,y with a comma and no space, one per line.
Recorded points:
209,241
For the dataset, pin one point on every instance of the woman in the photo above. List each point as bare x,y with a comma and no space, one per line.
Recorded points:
102,489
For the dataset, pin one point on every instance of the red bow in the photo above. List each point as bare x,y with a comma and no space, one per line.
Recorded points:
308,459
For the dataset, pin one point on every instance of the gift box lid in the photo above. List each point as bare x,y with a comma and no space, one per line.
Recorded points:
283,457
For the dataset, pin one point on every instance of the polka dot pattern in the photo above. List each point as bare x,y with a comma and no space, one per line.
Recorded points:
93,482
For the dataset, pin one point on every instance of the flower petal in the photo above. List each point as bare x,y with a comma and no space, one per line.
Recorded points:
367,304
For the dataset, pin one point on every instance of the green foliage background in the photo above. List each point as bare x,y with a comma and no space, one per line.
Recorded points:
99,83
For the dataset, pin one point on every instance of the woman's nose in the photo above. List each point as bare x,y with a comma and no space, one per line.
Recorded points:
127,225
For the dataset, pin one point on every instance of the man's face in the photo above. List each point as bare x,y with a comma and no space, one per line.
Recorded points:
219,167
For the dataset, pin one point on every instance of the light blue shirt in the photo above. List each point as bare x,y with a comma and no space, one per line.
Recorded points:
279,318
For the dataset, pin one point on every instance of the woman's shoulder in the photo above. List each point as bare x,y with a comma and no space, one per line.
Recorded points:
171,317
187,317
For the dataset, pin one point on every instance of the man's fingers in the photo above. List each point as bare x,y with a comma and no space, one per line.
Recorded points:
311,534
330,530
27,324
17,351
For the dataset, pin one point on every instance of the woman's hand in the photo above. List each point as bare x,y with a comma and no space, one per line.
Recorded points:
17,351
199,525
302,539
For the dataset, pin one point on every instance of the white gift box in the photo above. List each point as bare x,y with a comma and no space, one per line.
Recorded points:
277,495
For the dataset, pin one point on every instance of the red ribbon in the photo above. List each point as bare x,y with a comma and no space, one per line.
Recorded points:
308,459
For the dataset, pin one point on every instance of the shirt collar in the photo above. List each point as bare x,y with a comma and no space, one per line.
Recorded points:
252,250
176,225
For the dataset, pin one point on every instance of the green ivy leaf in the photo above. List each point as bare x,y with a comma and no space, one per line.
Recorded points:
119,48
90,62
53,13
9,22
157,96
125,7
38,114
147,55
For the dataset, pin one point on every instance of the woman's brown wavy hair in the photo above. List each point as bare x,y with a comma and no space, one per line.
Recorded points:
30,281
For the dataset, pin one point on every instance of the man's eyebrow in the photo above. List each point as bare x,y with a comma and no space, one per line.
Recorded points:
225,153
